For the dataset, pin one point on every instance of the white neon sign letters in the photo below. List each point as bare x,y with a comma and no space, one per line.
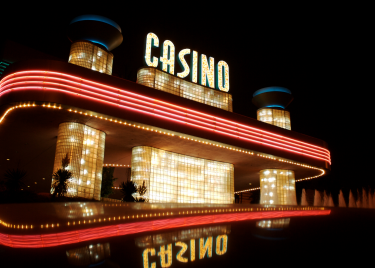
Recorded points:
210,75
167,57
194,64
151,41
222,76
183,64
207,71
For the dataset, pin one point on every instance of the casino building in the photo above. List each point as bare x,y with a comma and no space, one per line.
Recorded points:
180,137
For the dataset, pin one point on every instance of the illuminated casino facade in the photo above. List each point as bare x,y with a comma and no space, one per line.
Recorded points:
175,130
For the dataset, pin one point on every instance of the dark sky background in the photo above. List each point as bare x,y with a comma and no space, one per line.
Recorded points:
307,49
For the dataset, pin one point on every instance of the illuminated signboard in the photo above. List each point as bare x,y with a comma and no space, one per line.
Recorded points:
209,75
205,248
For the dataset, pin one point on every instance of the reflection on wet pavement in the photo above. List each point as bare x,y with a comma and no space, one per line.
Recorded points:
273,224
185,242
253,238
92,254
181,235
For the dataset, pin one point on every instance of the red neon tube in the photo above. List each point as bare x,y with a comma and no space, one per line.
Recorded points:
152,112
82,85
80,235
149,105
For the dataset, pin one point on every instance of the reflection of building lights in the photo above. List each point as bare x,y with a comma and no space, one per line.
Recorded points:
80,235
145,253
183,249
273,224
165,254
181,235
205,247
221,244
89,255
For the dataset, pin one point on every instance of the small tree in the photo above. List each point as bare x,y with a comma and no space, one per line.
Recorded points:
141,190
128,189
61,178
107,181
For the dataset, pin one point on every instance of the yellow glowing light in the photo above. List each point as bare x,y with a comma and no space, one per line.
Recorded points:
145,257
187,192
181,252
277,187
192,250
205,247
163,258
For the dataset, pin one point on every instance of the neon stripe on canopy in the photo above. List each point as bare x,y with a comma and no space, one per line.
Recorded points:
55,81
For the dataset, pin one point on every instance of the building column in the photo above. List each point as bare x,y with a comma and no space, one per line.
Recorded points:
275,116
85,148
277,187
91,56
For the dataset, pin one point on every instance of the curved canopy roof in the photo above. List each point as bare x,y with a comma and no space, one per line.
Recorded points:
272,89
96,18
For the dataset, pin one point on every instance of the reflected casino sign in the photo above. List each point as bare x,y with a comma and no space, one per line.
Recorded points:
165,253
209,75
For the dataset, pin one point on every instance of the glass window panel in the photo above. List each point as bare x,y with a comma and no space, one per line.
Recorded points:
86,158
159,80
276,117
177,178
277,187
91,56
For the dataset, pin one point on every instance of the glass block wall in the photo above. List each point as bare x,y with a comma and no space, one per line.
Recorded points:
85,147
277,187
91,56
177,178
157,79
276,117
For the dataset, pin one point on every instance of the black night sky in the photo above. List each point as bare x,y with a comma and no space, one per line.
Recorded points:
307,49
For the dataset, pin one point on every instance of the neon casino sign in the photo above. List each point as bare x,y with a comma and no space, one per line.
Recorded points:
209,75
165,253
